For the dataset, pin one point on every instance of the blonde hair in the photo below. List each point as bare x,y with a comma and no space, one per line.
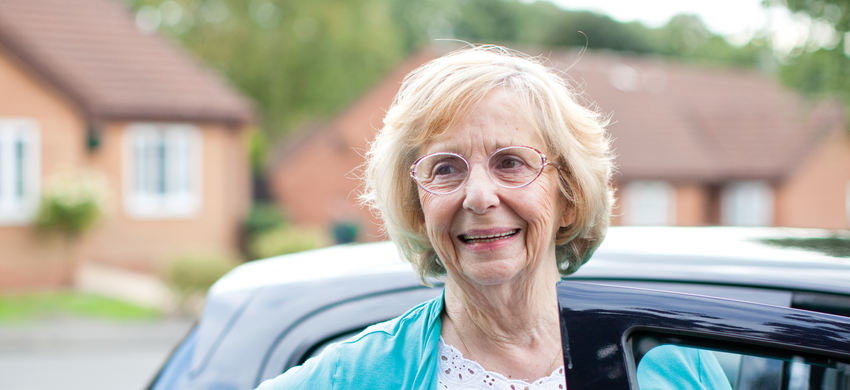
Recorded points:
439,94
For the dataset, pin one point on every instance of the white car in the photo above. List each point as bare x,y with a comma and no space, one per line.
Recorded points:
772,304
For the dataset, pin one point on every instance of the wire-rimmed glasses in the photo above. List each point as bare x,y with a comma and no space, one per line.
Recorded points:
510,167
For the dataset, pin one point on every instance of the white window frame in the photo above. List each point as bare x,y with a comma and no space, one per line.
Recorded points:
20,171
747,203
649,202
162,170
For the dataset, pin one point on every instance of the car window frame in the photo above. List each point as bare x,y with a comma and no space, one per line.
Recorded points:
598,323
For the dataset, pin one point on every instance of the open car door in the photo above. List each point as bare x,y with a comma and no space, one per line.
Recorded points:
608,332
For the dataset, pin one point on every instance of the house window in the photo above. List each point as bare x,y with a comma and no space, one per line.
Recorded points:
162,170
20,171
650,203
747,203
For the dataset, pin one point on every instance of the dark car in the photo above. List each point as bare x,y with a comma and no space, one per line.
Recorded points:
771,303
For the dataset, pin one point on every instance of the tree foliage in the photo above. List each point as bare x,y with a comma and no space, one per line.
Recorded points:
300,61
303,61
820,72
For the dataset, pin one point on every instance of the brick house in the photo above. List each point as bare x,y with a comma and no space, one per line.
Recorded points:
695,146
82,88
707,146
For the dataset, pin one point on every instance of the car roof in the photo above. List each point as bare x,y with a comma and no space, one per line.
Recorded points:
734,242
720,255
349,260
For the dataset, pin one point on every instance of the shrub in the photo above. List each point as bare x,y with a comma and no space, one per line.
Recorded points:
72,202
263,217
283,240
190,276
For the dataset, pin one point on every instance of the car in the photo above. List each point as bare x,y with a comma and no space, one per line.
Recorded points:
771,303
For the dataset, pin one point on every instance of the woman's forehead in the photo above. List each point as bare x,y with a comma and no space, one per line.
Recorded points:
468,140
498,120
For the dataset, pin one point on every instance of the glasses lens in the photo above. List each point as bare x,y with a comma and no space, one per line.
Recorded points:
515,166
441,173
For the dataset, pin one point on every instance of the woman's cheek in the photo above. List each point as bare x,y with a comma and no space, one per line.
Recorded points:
438,226
538,238
541,221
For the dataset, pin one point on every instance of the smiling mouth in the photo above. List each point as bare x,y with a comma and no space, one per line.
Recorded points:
470,239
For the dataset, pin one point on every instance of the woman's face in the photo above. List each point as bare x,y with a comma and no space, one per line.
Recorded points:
486,234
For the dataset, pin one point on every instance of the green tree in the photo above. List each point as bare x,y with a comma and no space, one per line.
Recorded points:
304,61
300,61
824,72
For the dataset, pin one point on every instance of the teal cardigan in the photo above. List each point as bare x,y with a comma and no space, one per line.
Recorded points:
402,354
397,354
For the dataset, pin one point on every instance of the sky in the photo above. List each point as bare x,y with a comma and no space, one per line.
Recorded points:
723,17
737,20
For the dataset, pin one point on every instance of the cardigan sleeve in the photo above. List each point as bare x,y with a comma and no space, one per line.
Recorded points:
396,354
670,367
318,372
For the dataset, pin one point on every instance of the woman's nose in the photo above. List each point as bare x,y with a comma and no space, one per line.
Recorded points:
480,191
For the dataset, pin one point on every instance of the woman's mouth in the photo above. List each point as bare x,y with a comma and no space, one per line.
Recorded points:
471,239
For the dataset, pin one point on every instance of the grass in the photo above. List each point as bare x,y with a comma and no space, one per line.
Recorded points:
34,306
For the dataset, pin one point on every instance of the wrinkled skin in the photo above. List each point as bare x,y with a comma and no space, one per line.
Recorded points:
500,293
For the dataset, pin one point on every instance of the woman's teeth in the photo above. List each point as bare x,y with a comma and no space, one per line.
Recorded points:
488,238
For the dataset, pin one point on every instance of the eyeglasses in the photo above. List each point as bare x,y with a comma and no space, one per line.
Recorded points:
510,167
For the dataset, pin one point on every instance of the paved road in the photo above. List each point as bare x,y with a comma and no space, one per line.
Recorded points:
75,354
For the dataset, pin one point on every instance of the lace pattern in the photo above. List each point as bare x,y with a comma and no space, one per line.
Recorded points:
457,372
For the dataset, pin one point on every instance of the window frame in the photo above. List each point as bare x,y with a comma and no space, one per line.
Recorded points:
24,210
737,192
635,194
146,203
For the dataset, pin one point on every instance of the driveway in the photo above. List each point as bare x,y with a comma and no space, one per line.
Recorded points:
83,354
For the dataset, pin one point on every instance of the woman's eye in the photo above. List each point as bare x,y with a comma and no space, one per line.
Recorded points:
510,163
444,169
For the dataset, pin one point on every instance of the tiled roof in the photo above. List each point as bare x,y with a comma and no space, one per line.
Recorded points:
678,122
669,121
92,52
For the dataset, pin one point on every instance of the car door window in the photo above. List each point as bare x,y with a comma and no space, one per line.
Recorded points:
662,368
606,331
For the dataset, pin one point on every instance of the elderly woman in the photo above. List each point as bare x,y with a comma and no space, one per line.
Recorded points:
488,173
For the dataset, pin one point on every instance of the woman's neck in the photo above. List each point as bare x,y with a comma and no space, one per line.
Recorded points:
511,328
503,311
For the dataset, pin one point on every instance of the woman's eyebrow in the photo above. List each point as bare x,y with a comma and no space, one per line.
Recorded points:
499,145
463,151
443,148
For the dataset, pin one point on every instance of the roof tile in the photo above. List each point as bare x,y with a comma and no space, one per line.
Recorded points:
91,51
683,122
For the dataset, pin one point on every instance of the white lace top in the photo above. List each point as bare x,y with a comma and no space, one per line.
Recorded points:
456,372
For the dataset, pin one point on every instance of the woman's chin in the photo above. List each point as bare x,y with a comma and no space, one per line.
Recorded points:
493,272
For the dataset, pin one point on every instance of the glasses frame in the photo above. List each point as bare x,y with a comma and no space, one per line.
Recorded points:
543,159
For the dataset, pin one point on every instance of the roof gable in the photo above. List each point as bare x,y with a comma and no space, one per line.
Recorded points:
91,51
